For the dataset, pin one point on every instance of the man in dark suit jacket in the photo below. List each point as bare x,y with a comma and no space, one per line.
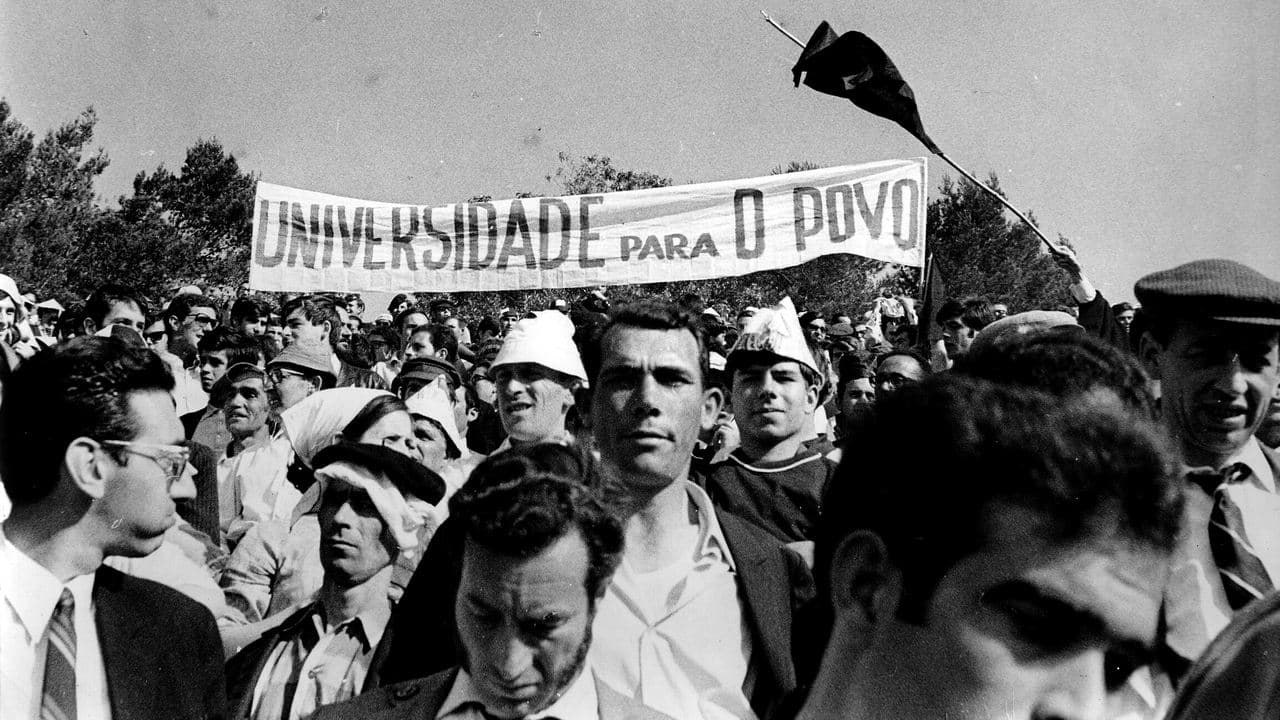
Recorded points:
363,496
93,458
539,547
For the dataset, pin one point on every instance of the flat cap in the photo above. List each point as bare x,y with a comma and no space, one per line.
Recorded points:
428,369
1215,289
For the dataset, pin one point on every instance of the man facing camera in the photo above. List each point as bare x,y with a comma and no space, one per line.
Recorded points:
1030,590
539,550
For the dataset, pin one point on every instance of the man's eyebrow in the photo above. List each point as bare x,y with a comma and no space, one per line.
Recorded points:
1062,608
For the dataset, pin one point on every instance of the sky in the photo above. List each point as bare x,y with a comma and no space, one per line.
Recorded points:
1145,131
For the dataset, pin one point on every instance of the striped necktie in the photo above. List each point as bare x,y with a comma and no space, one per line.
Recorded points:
1244,578
58,701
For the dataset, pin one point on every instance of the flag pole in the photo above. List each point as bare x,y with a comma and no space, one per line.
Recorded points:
968,175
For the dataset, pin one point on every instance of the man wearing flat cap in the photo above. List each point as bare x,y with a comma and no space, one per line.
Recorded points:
371,502
1210,335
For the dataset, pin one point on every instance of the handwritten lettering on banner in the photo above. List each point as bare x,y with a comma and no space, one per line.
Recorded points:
307,241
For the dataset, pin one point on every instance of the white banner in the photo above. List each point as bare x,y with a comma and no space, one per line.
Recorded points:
309,241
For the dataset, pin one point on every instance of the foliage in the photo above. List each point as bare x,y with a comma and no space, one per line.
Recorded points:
979,252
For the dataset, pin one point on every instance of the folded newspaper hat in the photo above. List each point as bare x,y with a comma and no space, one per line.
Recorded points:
775,331
545,339
432,402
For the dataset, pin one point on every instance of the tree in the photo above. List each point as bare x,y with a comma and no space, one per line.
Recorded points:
979,252
46,202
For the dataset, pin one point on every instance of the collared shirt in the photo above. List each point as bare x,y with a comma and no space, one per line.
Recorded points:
675,639
315,664
256,487
1196,607
30,592
577,702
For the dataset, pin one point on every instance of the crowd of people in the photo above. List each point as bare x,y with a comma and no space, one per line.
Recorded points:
650,510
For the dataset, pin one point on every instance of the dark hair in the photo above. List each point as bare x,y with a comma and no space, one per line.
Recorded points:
1063,363
181,306
399,298
373,411
360,352
317,309
921,360
238,346
853,365
950,309
979,312
1121,307
649,314
398,321
108,294
389,335
1087,470
486,325
80,387
517,503
248,309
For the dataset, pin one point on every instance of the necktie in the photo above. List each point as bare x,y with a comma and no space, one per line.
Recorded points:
58,700
1244,578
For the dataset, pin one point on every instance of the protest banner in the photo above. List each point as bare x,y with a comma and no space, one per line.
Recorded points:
308,241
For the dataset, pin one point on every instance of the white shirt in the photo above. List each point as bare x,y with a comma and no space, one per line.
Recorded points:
29,593
674,639
256,487
578,701
1196,605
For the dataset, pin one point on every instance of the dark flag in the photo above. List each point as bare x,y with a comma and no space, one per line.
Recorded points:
928,332
853,66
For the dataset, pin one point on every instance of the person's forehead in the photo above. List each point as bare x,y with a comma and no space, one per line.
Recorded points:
252,381
860,383
779,365
555,576
123,307
1189,331
901,364
626,345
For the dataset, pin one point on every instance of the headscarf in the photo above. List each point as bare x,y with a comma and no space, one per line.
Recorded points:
312,424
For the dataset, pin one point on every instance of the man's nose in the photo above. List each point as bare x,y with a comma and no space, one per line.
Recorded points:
184,488
513,659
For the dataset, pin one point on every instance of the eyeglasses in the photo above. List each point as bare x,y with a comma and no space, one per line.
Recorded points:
172,459
206,320
154,337
277,375
894,380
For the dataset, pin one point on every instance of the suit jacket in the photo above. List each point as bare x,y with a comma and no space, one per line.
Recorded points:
773,584
246,666
421,699
161,650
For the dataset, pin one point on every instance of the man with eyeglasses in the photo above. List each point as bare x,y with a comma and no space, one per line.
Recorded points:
186,320
296,373
314,320
94,460
898,369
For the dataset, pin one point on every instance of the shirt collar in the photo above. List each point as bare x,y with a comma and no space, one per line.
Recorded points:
578,702
40,588
1253,458
711,540
372,622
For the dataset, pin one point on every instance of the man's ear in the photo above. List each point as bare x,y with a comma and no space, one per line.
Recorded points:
442,353
90,327
865,584
84,467
1149,351
712,401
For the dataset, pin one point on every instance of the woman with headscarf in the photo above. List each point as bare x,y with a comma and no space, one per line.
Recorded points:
276,565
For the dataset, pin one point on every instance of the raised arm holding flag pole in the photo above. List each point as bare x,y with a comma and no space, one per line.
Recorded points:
853,66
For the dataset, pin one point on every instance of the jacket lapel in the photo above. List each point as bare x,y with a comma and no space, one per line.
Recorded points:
766,590
128,653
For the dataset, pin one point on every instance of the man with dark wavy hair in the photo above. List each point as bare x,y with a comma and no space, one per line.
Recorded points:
539,548
93,457
1016,570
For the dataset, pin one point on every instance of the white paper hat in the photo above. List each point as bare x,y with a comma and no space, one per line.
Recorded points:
775,330
545,339
432,401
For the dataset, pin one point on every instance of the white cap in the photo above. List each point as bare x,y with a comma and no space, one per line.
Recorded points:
10,288
432,402
545,339
50,305
776,330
